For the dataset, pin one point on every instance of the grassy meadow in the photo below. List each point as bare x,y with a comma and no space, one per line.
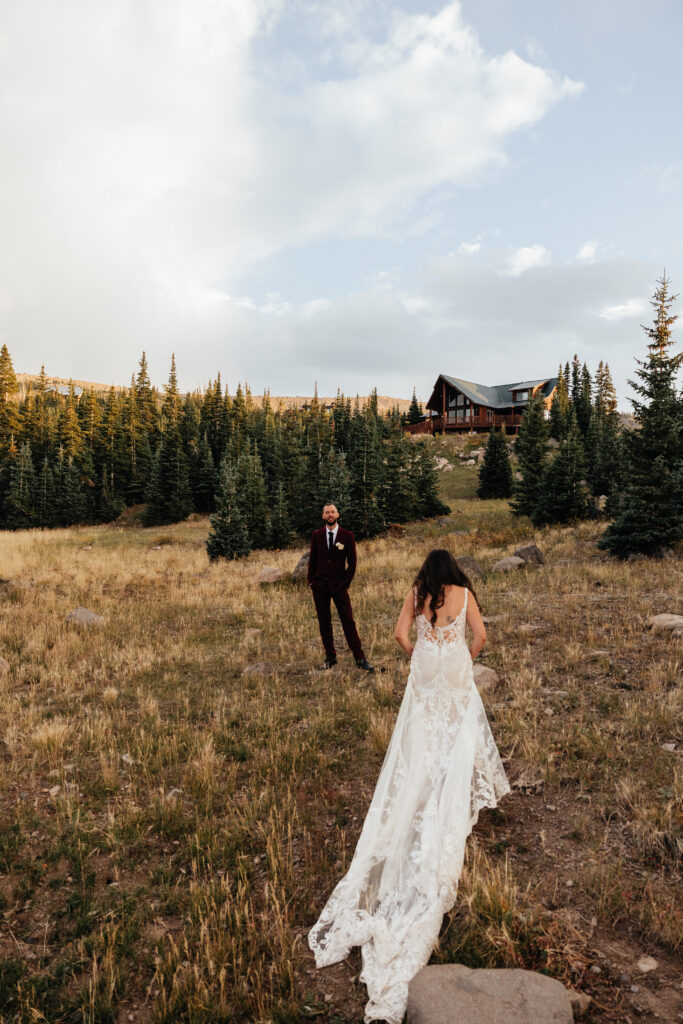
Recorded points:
180,789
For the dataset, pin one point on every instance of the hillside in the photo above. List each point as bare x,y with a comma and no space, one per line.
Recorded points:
384,402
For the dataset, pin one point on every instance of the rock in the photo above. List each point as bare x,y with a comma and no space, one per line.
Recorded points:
660,623
260,668
509,563
580,1001
470,566
470,462
300,570
599,502
486,678
531,554
271,574
4,666
669,747
595,969
518,477
647,964
83,617
449,993
444,521
448,468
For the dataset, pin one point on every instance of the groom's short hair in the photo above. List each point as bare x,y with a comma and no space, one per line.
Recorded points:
332,503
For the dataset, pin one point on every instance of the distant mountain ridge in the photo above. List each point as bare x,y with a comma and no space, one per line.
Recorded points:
384,402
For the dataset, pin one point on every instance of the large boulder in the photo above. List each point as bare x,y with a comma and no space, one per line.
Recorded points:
450,993
665,621
486,679
508,564
83,617
271,574
470,566
531,554
300,571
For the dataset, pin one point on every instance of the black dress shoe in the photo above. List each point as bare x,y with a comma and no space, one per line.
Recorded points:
365,665
328,663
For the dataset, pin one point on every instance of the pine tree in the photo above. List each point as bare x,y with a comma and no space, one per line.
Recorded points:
649,519
584,408
168,496
576,381
338,483
9,419
280,528
559,410
252,496
562,496
426,484
146,403
70,500
530,450
414,411
495,472
19,503
205,478
228,537
46,501
397,495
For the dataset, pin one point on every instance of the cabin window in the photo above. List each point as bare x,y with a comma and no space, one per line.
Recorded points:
489,414
522,396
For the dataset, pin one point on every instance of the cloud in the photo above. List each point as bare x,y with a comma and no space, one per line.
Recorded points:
662,178
623,310
154,153
527,258
469,248
587,252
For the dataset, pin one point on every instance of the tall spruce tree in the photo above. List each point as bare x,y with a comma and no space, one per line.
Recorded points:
559,410
495,472
19,504
397,494
280,527
414,410
228,536
562,496
649,519
46,502
530,450
168,496
426,483
8,409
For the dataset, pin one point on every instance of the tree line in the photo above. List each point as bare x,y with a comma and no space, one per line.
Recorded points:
580,462
70,459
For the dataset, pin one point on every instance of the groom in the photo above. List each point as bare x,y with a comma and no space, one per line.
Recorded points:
331,567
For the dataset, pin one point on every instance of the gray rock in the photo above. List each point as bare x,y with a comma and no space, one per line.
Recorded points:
82,617
486,678
271,574
668,747
507,564
300,571
260,668
4,666
470,566
647,964
531,554
660,623
470,462
444,521
580,1001
450,993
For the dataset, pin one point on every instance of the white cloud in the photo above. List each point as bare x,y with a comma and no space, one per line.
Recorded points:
469,248
662,178
153,153
587,252
527,258
623,310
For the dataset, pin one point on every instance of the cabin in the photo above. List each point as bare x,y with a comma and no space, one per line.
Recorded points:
461,406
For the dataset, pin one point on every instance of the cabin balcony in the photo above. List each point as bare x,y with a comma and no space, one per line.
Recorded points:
466,423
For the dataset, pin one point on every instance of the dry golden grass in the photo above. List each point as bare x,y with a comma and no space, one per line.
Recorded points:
170,825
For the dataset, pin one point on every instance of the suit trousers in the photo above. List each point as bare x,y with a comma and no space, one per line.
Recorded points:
322,596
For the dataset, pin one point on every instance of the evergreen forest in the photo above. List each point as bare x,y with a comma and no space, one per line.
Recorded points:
70,458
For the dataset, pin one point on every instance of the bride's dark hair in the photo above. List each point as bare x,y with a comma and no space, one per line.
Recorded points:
438,570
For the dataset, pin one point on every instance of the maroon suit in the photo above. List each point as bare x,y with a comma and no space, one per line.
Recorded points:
329,575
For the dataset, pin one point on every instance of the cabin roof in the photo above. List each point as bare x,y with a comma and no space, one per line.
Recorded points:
498,396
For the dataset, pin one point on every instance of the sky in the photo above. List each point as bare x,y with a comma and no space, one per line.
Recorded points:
358,194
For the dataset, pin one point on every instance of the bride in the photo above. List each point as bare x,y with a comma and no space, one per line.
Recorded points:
441,767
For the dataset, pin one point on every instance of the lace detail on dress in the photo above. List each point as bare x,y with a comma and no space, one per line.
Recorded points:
442,766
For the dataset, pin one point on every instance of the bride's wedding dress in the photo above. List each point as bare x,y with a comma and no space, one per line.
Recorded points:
442,766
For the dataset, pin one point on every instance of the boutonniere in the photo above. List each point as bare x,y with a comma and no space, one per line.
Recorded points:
339,546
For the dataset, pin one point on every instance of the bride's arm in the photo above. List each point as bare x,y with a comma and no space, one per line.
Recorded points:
476,624
404,622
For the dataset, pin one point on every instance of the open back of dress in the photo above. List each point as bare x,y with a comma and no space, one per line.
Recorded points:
441,767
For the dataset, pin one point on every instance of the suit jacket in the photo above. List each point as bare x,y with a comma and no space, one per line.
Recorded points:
334,569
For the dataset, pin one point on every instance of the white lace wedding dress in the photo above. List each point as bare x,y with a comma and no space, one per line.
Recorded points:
442,766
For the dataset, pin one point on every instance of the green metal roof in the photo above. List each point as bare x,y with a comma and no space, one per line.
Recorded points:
499,396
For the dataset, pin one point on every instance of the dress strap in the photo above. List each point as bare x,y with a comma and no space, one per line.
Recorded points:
466,596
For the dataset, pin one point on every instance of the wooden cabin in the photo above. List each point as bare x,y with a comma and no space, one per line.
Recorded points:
462,406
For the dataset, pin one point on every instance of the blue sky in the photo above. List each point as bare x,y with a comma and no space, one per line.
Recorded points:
358,194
